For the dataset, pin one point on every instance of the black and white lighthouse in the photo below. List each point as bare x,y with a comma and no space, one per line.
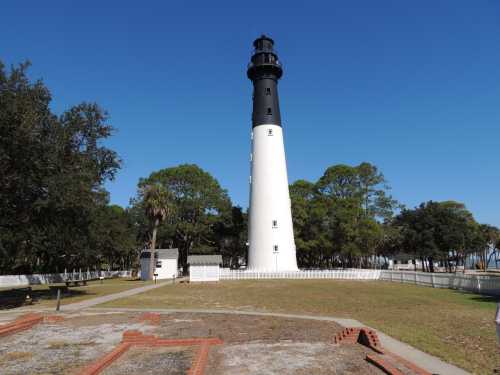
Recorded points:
270,233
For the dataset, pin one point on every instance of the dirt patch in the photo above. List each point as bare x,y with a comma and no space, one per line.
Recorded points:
244,328
296,358
88,320
152,361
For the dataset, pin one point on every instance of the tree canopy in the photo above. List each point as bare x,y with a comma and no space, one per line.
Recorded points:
337,220
52,171
444,231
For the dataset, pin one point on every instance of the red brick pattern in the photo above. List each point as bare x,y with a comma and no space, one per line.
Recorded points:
96,367
383,364
417,370
22,323
347,336
53,319
370,339
200,361
151,318
139,339
364,336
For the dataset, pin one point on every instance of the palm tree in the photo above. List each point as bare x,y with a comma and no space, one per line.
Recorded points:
157,206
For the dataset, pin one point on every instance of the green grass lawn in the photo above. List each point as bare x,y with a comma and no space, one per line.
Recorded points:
457,327
43,297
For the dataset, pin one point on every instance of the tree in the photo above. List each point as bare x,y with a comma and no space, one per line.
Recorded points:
310,223
199,204
231,237
52,171
112,238
438,230
157,205
485,242
337,219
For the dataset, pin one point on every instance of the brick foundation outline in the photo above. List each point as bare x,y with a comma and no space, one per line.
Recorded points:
369,338
22,323
137,338
382,364
27,321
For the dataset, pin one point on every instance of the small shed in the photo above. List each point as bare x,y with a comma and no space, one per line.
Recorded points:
166,263
204,267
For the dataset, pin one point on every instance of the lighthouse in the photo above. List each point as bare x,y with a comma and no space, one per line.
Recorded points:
270,231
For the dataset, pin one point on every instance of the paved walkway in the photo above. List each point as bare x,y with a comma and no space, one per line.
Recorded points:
428,362
110,297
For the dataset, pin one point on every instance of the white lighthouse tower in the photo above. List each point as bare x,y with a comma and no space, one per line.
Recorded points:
270,233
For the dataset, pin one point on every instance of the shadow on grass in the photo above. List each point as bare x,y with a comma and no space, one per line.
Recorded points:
494,299
13,298
485,298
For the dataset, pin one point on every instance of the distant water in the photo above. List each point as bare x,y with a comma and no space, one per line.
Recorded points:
491,264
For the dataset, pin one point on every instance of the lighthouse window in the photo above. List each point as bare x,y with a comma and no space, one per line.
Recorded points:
275,248
275,223
268,91
269,131
269,111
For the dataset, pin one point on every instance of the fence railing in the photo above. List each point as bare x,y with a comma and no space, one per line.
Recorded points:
348,274
472,283
49,278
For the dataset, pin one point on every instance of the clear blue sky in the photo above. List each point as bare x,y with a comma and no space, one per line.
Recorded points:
413,87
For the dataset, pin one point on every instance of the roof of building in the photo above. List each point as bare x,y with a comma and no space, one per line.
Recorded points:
204,259
162,254
403,257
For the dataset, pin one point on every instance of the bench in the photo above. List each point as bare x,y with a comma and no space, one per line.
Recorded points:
55,287
15,297
76,282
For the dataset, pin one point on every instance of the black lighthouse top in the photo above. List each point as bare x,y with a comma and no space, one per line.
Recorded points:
265,70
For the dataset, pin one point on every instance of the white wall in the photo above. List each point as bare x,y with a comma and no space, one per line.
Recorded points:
270,200
204,273
167,270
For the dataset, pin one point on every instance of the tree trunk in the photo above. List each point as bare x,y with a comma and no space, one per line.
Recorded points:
152,259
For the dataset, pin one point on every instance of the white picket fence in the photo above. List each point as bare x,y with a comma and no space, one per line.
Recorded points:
49,278
472,283
348,274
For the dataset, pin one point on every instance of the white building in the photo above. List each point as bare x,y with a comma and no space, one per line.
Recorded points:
166,263
204,267
270,229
